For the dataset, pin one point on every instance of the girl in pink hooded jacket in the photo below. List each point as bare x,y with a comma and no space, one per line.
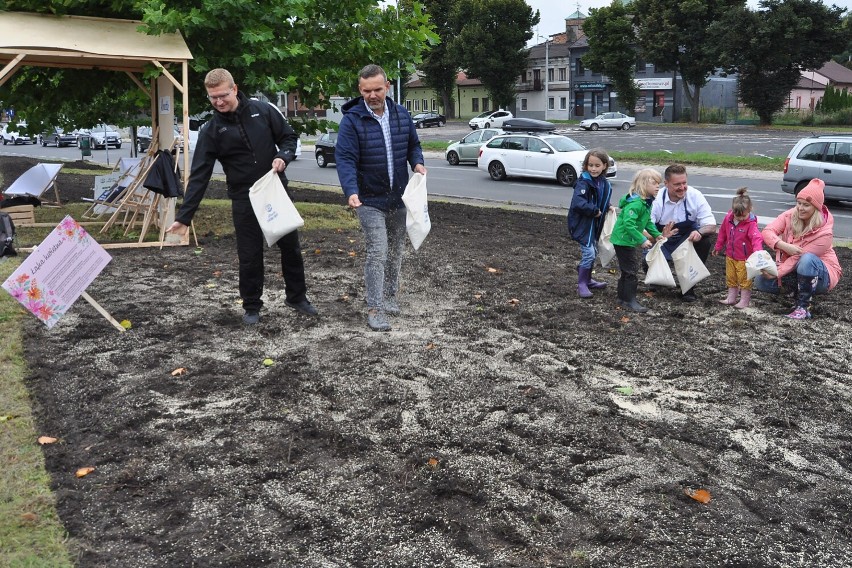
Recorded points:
738,237
802,238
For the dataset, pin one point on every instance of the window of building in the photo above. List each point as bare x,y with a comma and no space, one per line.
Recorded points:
474,105
563,103
485,104
416,105
408,105
640,65
550,72
581,69
550,103
563,73
523,104
425,104
434,105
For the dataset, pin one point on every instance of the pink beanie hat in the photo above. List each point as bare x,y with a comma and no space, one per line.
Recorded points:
813,193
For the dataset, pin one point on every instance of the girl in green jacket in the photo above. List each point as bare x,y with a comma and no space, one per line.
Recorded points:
634,228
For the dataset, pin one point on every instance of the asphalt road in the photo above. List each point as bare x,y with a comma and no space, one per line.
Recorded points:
469,183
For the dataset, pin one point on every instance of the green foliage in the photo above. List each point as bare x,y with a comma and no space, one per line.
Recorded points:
841,117
490,43
749,43
313,47
834,100
676,35
611,50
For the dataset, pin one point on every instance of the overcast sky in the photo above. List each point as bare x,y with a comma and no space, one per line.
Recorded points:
554,12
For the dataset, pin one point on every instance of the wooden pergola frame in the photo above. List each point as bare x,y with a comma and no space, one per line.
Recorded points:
82,42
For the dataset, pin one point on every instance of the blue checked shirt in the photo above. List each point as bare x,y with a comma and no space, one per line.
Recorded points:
384,122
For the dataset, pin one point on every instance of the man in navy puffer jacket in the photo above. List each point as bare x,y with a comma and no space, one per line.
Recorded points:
376,144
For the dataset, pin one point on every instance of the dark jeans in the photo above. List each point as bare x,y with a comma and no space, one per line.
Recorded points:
250,246
629,259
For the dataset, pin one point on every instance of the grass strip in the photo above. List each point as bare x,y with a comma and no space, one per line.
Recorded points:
31,534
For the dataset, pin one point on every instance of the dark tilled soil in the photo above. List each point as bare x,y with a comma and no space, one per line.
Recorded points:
504,422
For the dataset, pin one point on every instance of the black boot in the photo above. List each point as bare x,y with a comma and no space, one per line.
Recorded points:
620,290
806,287
629,301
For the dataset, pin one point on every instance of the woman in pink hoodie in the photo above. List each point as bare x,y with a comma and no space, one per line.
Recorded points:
738,237
802,238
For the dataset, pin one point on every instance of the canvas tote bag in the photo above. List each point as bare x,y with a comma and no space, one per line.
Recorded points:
606,250
417,221
275,213
688,266
659,273
759,261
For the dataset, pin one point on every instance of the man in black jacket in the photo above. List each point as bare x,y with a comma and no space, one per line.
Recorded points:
247,137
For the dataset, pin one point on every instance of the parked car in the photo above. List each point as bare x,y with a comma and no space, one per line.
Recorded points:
57,137
101,136
11,136
549,156
143,138
426,119
324,149
467,149
490,118
828,158
609,120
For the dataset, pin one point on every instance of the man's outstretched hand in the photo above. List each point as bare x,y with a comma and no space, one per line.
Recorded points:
177,228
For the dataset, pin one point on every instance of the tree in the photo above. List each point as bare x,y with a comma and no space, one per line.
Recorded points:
440,66
771,46
612,50
490,40
675,35
313,47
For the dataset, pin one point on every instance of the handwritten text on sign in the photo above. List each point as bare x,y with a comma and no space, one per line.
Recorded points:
51,279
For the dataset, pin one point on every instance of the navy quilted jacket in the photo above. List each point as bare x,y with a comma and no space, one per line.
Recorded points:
362,160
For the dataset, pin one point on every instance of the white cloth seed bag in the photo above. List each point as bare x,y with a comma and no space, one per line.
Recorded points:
688,266
659,273
759,261
606,250
417,221
276,214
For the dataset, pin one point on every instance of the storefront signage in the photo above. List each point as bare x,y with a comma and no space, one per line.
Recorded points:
656,83
591,86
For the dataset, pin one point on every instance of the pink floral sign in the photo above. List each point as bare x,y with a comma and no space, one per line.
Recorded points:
51,279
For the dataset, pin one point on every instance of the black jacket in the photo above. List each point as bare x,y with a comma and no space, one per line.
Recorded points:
245,142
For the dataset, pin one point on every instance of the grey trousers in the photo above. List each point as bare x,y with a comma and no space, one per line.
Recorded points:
384,236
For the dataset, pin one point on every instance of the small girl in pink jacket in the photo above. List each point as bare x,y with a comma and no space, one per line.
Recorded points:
738,237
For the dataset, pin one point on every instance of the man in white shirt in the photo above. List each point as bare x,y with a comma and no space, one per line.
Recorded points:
690,212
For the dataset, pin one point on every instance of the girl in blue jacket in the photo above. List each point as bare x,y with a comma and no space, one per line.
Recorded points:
589,204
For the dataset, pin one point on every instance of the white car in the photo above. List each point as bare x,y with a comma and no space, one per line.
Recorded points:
101,136
549,156
609,120
14,136
490,118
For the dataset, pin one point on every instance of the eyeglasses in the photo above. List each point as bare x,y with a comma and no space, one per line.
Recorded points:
217,98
